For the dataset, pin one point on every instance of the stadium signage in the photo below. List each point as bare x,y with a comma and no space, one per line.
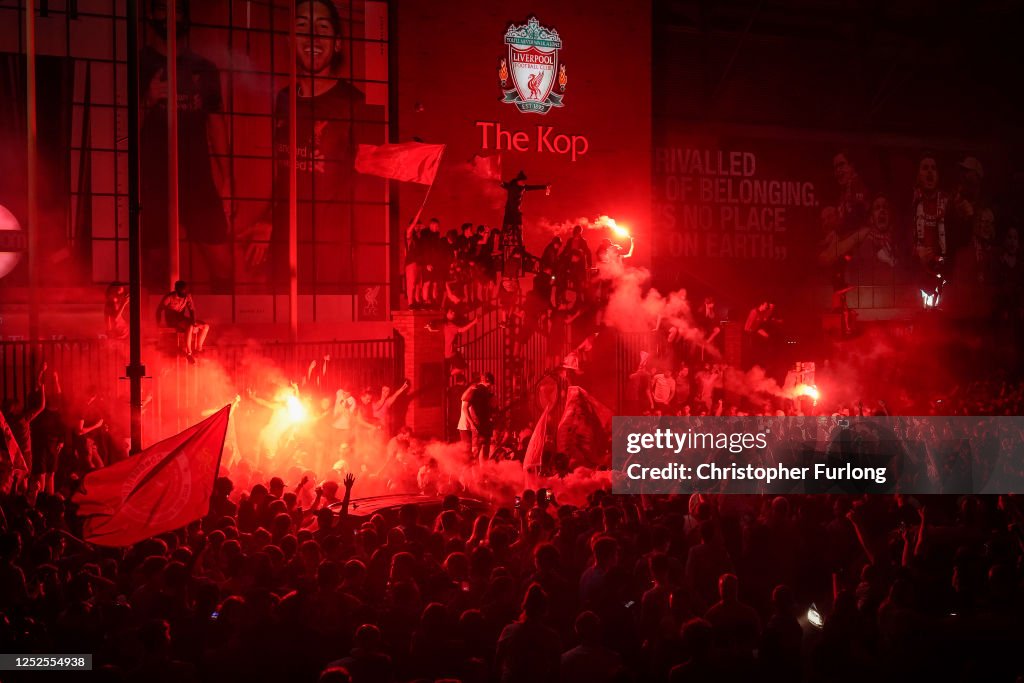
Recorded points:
529,74
543,141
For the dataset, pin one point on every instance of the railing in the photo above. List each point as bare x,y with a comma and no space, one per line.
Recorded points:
176,391
482,346
79,363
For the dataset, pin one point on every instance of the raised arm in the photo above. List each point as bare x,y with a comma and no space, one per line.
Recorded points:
751,321
919,546
390,400
632,245
84,429
260,401
861,538
41,383
349,480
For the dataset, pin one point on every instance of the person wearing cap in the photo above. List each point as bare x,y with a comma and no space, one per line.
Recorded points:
326,494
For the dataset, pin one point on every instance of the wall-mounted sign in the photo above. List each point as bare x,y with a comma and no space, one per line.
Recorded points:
13,241
493,136
533,68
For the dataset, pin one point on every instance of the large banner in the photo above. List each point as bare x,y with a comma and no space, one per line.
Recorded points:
745,214
559,91
234,154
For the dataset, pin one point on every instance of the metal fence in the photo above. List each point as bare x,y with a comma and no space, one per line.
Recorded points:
483,348
177,392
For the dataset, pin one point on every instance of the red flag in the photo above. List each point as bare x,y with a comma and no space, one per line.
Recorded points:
163,488
10,452
412,161
535,448
584,430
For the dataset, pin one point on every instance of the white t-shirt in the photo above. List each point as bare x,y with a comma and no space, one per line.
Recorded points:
464,425
344,409
663,388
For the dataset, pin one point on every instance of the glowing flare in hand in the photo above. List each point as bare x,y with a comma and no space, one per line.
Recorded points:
296,411
619,230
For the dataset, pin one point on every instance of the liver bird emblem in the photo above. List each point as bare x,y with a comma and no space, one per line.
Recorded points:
534,84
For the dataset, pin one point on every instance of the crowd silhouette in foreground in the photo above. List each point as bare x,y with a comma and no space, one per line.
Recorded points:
621,588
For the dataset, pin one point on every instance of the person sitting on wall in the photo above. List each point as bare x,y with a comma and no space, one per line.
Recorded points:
179,312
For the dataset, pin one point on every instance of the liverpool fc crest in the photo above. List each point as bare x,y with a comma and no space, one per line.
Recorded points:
532,66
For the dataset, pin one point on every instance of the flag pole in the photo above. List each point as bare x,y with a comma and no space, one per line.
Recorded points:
32,151
220,452
135,370
429,188
173,235
293,183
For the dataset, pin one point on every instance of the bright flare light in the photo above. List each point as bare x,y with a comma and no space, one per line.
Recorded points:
296,411
808,390
619,230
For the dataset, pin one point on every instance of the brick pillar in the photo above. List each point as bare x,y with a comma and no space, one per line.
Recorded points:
423,357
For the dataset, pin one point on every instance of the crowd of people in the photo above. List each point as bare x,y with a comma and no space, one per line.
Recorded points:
271,586
284,578
471,270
